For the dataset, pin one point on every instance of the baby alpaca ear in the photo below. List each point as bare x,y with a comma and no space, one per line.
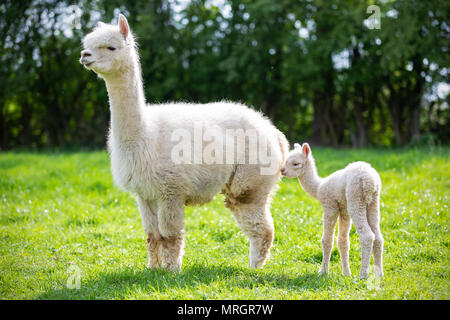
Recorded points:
123,26
306,149
297,146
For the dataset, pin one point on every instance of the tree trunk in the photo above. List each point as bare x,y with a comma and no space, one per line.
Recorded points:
415,123
318,125
393,107
429,116
361,135
416,96
3,145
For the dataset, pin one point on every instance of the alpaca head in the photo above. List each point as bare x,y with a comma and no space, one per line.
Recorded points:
297,161
109,49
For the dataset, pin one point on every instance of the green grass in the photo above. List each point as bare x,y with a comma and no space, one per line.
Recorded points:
62,210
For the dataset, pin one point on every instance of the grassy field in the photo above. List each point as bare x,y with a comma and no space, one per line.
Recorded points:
60,214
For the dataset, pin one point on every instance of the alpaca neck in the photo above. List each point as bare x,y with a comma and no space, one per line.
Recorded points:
310,180
127,102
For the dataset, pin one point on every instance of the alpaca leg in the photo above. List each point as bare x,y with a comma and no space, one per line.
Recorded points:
343,242
257,224
329,222
366,237
148,211
373,216
171,229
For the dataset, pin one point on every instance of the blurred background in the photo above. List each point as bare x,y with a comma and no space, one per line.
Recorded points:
327,72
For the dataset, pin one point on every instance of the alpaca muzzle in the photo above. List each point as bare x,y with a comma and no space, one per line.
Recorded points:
85,58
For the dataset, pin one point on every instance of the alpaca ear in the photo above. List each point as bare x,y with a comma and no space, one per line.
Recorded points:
297,146
306,149
123,26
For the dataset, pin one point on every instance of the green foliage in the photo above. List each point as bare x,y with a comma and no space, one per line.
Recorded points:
312,66
59,210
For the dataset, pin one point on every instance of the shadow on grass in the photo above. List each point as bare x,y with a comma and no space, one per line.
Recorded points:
122,284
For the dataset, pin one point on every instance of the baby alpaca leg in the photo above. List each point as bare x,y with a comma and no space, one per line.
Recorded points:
366,236
343,242
171,228
257,224
373,216
148,211
329,223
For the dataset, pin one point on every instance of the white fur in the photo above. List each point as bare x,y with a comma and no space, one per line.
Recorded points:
352,193
140,148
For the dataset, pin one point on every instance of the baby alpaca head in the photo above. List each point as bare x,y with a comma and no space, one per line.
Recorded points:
297,161
109,49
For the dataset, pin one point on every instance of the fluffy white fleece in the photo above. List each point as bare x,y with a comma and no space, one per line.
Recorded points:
141,144
352,193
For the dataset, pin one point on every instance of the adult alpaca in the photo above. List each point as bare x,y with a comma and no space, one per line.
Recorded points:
141,147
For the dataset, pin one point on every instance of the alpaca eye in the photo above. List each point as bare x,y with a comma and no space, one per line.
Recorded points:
296,164
111,48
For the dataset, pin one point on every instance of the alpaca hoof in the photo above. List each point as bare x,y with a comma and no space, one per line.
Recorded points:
378,272
256,264
323,272
152,265
173,267
257,261
363,275
346,273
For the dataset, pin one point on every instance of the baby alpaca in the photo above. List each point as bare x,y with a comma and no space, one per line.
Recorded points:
352,193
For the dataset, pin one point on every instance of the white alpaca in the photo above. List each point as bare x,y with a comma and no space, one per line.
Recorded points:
140,145
352,193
